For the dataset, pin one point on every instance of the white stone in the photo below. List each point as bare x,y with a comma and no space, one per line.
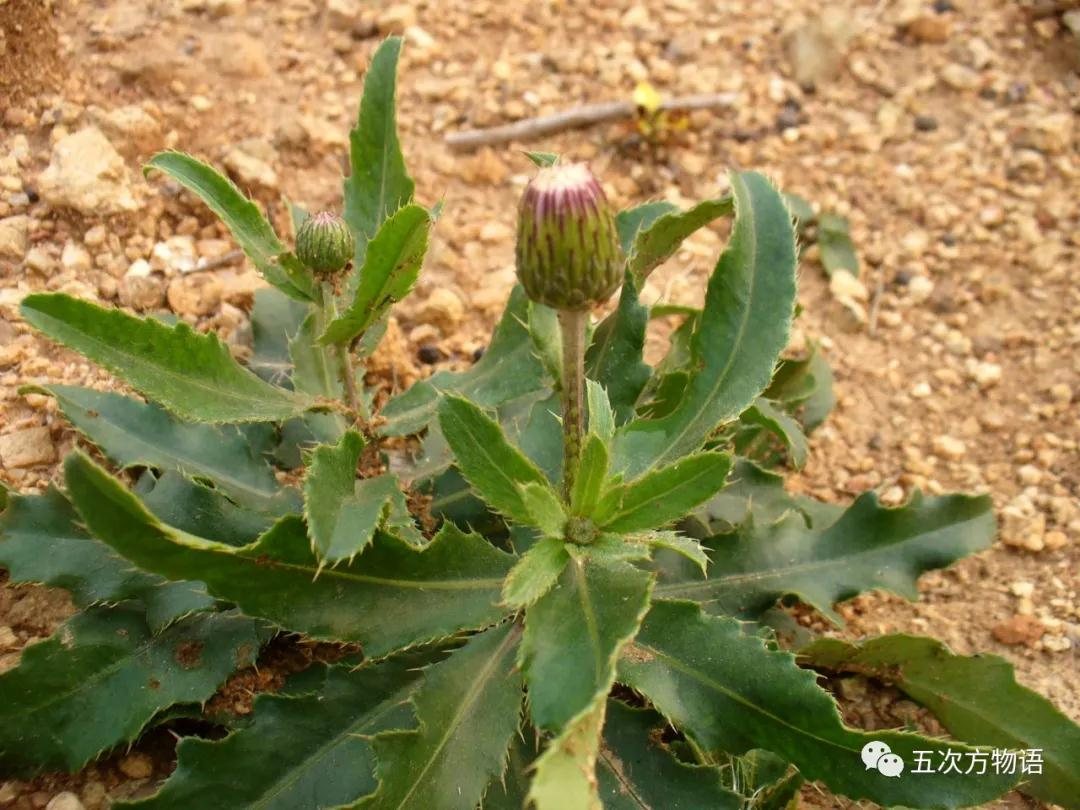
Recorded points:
1022,589
39,260
75,257
249,169
919,289
27,448
986,375
949,447
14,235
177,254
65,801
86,173
140,268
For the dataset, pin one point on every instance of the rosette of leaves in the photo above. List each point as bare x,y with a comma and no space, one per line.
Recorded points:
608,649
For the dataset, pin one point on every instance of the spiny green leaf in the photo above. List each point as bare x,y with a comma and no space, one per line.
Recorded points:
243,219
601,416
764,780
104,676
632,221
391,264
548,513
574,633
536,572
358,516
665,495
743,328
540,435
275,320
868,547
512,791
768,416
566,772
192,375
686,546
758,495
139,434
315,375
613,358
342,513
306,750
975,697
468,709
546,337
658,241
636,772
509,369
41,540
379,184
728,692
592,472
452,584
494,467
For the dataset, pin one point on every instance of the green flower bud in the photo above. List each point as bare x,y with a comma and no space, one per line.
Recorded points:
324,243
568,254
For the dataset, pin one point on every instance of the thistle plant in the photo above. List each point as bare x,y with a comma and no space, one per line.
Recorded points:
581,609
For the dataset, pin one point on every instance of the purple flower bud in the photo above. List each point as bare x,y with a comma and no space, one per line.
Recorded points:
568,254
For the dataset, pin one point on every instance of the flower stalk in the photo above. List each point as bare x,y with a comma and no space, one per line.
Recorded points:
572,324
568,258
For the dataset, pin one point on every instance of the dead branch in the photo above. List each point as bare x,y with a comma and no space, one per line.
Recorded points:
588,115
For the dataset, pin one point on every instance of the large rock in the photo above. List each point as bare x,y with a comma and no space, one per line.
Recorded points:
86,173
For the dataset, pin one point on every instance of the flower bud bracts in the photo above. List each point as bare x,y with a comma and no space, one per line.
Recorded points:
568,254
325,244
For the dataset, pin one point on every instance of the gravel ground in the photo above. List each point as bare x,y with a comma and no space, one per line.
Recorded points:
945,131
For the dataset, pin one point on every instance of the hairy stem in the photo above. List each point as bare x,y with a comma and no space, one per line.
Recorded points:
341,358
572,324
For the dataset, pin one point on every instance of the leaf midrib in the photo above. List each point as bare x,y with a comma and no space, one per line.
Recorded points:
226,394
313,758
470,697
808,566
98,676
705,680
494,466
434,584
590,617
180,460
750,221
628,786
655,495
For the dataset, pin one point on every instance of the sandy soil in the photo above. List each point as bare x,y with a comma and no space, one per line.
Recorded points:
945,131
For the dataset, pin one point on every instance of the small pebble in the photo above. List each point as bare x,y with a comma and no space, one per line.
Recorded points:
949,447
429,354
925,123
1019,630
137,765
65,801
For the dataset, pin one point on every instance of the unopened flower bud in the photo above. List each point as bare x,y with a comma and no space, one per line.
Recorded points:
324,243
568,254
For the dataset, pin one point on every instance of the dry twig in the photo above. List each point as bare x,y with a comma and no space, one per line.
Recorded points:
530,128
